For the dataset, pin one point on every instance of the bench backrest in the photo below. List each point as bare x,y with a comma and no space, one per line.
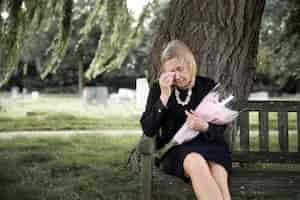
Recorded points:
263,154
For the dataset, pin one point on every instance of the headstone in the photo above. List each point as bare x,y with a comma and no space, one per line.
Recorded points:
35,95
114,98
14,92
93,95
24,91
142,90
126,94
259,96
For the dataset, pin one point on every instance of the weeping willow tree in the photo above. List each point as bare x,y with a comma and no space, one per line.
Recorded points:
119,33
25,15
117,38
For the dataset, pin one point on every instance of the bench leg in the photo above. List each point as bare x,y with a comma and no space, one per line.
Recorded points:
146,176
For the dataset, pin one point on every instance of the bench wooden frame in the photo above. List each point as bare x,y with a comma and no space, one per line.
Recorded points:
245,182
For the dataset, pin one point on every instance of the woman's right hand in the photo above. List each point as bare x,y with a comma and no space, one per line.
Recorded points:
165,82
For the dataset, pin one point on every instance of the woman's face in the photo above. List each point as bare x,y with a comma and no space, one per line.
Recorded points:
182,72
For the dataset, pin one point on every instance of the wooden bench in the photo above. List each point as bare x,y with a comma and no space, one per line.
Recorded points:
261,173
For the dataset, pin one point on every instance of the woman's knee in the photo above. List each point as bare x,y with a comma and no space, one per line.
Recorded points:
218,170
195,162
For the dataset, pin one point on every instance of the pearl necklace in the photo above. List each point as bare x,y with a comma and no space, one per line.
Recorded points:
187,99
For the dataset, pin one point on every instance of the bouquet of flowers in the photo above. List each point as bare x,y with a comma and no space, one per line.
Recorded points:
213,108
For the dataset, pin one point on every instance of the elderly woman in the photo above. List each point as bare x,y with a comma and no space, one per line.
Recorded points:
205,160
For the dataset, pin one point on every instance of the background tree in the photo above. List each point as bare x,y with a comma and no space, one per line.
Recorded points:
279,59
119,32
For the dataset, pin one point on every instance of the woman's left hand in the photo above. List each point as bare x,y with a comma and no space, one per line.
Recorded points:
195,122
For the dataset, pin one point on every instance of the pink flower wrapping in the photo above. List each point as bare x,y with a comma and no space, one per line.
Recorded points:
212,109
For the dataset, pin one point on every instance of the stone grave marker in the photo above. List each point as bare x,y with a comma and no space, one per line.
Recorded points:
14,92
35,95
94,95
142,90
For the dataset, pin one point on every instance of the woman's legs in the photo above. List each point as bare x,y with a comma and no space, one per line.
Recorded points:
221,177
204,185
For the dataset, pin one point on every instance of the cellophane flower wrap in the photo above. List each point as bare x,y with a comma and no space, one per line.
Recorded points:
214,108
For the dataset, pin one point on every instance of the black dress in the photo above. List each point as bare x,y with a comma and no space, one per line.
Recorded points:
165,121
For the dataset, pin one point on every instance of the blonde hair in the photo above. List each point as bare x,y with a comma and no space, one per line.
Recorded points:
178,49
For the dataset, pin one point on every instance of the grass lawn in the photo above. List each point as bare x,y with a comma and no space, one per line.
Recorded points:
67,112
35,121
63,121
64,112
79,167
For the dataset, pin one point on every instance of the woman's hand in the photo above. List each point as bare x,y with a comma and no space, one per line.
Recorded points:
165,82
195,122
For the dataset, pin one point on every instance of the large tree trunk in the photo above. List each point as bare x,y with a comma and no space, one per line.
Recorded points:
223,35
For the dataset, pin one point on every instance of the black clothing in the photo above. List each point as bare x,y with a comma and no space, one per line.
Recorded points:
165,121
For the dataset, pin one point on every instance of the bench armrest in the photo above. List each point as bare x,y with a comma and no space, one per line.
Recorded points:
146,145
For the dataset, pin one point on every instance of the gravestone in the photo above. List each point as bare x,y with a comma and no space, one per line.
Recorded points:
126,95
142,90
14,92
35,95
114,99
94,95
24,91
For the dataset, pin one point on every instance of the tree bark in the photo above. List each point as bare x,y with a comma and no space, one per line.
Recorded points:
223,35
80,78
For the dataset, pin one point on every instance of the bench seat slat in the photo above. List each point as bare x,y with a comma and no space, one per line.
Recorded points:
266,157
278,184
244,182
298,129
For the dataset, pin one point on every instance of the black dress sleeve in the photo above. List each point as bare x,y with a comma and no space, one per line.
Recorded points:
153,116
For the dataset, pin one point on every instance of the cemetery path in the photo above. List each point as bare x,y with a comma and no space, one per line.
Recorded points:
67,133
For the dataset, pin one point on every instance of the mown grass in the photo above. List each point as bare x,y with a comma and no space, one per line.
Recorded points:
35,121
64,112
68,112
63,121
79,167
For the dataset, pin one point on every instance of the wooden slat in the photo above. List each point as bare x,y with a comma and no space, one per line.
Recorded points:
263,131
233,136
264,184
298,129
266,157
245,183
283,131
269,106
244,131
146,145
